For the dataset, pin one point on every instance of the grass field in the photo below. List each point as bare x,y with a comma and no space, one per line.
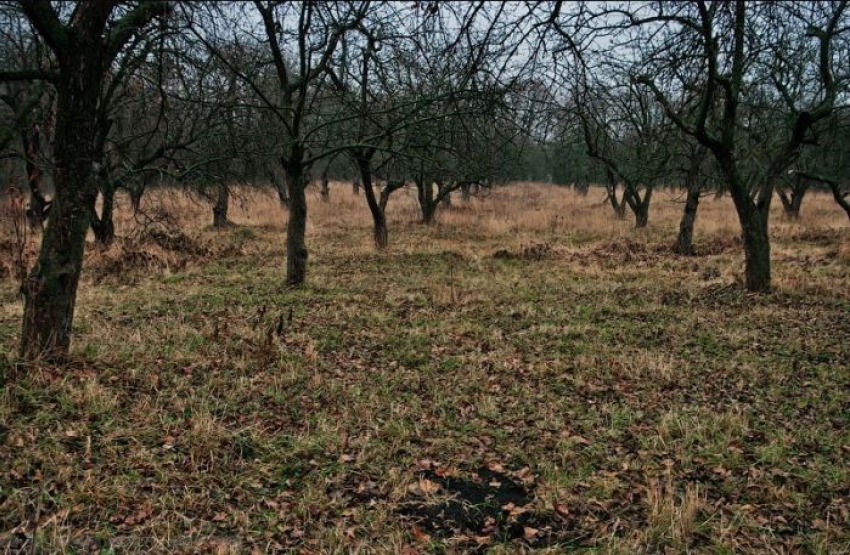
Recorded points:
527,375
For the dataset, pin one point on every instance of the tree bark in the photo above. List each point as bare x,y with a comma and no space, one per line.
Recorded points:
280,186
685,241
38,205
792,204
296,229
642,214
221,207
839,196
379,220
103,226
51,288
325,189
427,203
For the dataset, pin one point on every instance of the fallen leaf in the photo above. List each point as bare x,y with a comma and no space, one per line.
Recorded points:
420,535
529,533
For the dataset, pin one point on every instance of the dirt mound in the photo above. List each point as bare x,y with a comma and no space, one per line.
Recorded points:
160,247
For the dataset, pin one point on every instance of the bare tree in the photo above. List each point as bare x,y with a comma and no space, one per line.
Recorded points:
84,44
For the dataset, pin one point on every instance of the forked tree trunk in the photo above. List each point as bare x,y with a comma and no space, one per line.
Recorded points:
754,232
221,207
296,229
50,291
792,204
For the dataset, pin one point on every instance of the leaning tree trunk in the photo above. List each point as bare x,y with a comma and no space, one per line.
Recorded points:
50,290
221,207
296,229
685,241
379,219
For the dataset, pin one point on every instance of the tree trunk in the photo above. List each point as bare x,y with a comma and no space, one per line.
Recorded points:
379,220
280,187
685,241
641,208
618,205
465,192
757,252
427,203
136,193
222,204
355,185
36,212
792,204
839,196
50,290
103,226
296,229
642,215
446,198
325,189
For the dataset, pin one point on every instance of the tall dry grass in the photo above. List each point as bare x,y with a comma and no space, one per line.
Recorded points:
522,212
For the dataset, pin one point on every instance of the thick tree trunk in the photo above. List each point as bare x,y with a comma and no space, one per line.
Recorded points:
427,202
50,290
757,253
685,241
221,207
379,220
296,229
642,215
